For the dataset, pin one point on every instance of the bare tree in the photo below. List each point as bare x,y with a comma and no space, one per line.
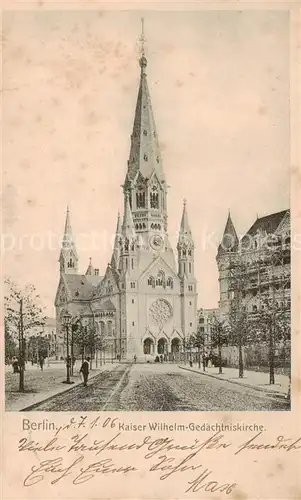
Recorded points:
22,314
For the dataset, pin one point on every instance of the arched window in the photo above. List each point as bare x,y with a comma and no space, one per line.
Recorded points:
160,279
154,198
170,282
189,253
151,281
110,328
190,267
145,157
140,199
184,252
144,132
126,244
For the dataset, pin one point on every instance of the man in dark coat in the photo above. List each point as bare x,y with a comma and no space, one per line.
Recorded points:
85,370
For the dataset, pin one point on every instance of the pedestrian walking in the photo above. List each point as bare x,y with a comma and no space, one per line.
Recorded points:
85,370
41,363
15,365
135,359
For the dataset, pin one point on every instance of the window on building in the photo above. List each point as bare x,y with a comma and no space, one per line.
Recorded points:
154,200
133,285
140,199
145,157
254,309
151,281
133,302
132,263
202,329
190,303
144,132
133,323
169,282
190,267
190,324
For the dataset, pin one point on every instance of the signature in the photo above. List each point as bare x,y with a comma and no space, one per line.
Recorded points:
56,466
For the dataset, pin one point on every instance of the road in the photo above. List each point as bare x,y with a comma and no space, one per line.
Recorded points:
159,387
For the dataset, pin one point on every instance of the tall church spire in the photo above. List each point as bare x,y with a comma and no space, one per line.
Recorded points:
68,256
145,154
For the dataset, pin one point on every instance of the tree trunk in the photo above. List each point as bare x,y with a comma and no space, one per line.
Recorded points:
91,357
240,359
199,357
271,357
220,369
21,349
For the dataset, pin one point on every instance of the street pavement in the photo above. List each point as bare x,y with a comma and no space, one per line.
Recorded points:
160,387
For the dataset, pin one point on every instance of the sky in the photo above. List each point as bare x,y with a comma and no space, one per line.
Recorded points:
219,84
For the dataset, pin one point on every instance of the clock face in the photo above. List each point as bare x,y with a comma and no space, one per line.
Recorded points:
156,242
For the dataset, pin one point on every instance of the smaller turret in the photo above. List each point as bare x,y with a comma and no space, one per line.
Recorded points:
230,240
116,248
68,257
185,247
128,240
90,270
226,255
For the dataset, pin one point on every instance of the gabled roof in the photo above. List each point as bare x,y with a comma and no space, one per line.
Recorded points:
79,286
267,224
107,306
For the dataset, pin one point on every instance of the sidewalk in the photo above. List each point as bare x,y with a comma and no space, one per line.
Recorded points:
41,385
255,380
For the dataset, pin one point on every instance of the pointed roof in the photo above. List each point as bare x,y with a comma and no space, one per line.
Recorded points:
230,239
185,231
90,270
68,242
128,228
115,255
145,154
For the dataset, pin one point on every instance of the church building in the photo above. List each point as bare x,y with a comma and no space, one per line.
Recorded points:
145,304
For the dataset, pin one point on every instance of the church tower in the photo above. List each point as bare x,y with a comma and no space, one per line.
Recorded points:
185,249
226,255
68,257
145,184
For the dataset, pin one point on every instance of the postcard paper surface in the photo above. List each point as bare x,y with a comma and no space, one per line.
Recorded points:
151,251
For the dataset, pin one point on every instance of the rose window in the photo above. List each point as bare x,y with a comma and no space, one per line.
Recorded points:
160,312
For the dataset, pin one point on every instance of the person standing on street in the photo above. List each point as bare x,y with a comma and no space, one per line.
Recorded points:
85,370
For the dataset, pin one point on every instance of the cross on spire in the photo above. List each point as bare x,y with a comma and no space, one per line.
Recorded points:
142,38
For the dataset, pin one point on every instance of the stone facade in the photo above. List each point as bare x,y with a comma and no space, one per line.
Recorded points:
146,302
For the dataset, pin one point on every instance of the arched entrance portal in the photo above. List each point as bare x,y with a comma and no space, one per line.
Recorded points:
162,346
148,346
175,349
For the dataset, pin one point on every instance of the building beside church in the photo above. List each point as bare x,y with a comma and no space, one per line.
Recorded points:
146,301
259,264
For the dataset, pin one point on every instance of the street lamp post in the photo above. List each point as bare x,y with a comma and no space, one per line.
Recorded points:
67,318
